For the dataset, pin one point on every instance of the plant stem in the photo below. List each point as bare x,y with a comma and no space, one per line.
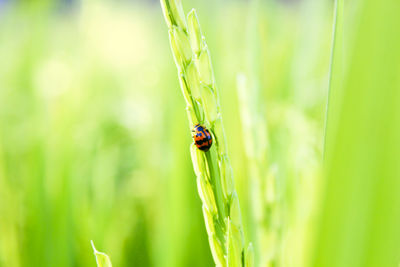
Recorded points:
333,45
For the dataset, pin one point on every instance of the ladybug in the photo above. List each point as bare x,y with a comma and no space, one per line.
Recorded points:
202,137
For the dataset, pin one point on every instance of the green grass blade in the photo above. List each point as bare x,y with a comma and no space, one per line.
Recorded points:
360,218
101,258
331,65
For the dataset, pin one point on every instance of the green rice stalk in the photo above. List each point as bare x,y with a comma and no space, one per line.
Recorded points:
262,178
213,170
265,211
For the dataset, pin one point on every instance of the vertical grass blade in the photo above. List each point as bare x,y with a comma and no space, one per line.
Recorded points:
335,61
360,218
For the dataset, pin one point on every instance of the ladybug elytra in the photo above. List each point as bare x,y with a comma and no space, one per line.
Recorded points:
202,137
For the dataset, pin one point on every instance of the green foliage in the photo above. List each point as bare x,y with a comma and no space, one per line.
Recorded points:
359,219
92,147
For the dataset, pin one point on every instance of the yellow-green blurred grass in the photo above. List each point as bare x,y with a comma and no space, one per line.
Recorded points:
360,215
87,147
91,119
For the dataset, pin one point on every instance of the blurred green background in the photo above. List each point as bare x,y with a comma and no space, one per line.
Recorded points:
94,140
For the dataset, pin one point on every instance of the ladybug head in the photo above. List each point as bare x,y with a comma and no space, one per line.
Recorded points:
198,127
